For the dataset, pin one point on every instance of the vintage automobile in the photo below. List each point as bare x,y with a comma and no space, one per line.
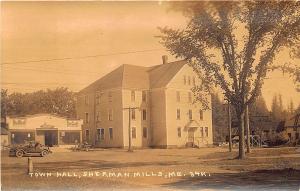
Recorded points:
82,147
29,149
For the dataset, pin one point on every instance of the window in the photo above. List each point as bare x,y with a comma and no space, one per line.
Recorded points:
206,131
201,114
179,131
109,96
190,114
184,80
178,96
133,132
144,96
97,99
297,135
98,116
110,115
145,132
201,132
133,114
190,97
189,80
87,135
194,81
100,134
144,114
111,135
86,100
178,114
132,95
87,118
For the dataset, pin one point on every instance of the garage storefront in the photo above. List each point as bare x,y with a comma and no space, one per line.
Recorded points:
46,129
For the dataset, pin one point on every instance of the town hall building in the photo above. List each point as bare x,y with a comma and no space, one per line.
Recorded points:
157,103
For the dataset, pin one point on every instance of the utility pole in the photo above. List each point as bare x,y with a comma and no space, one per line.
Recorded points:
129,127
247,127
229,126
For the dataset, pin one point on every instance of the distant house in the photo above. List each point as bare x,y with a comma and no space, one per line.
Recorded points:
4,137
47,129
291,129
165,115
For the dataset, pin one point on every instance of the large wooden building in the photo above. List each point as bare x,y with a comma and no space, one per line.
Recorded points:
165,114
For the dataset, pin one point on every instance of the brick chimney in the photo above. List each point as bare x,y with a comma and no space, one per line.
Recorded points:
165,59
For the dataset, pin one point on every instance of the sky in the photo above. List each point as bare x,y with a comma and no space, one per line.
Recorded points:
93,38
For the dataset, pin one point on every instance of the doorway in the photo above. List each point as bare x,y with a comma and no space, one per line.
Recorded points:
50,138
191,137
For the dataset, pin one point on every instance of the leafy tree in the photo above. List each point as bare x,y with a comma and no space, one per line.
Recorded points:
233,44
60,101
3,103
219,118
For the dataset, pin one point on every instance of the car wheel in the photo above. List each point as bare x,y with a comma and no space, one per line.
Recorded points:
19,154
44,153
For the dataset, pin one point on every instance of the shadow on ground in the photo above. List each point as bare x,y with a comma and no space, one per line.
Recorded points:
284,179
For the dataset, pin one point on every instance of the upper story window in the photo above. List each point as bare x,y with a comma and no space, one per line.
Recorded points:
190,97
144,114
189,80
97,99
110,96
144,96
184,80
190,114
98,118
132,95
178,114
178,96
133,114
201,114
87,118
194,81
86,100
110,115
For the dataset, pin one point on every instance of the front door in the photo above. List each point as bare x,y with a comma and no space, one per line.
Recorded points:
50,138
191,135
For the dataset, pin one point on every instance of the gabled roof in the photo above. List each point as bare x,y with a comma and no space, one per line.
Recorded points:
137,77
161,75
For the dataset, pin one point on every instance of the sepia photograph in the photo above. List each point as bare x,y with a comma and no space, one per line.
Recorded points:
150,95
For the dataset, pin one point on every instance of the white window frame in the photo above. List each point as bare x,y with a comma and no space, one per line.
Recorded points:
87,117
144,114
179,132
178,114
100,134
133,128
111,133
